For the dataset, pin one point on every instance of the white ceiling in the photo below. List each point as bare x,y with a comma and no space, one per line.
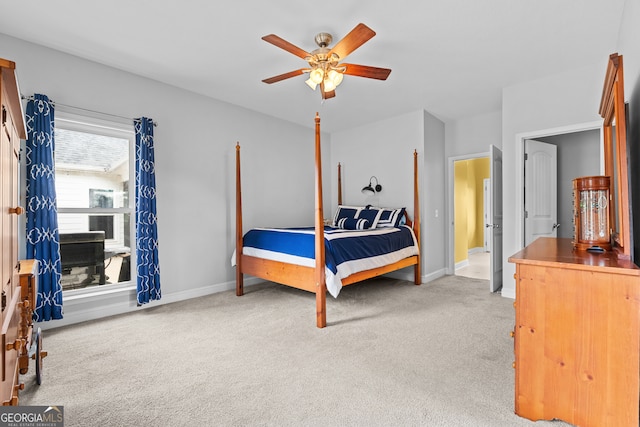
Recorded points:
449,57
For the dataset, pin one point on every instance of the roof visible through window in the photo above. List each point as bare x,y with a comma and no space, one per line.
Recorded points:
80,150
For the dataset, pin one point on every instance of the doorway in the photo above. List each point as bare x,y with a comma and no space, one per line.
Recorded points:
471,257
565,172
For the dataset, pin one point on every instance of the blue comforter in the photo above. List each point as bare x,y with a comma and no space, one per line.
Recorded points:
346,251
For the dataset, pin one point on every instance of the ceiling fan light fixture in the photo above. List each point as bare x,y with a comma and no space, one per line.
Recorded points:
316,75
329,85
335,76
311,83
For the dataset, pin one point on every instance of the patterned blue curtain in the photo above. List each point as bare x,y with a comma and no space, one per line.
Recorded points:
148,284
42,239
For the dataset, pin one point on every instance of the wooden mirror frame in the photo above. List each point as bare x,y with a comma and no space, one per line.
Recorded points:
612,110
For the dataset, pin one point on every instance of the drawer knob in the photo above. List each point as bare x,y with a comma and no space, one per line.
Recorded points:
18,210
16,345
512,334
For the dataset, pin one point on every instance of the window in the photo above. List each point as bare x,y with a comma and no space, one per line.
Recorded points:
101,199
93,165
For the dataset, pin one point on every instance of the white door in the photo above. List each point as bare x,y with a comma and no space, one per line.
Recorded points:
495,282
541,190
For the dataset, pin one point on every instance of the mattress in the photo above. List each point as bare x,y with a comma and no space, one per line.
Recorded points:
346,251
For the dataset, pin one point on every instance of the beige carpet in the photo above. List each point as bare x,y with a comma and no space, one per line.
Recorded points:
393,354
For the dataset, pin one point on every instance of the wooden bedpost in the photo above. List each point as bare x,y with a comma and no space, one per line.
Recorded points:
416,217
239,277
339,184
321,286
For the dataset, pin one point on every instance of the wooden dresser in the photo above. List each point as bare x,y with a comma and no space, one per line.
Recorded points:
12,130
577,336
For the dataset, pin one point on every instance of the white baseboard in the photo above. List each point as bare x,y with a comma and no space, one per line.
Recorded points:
93,306
465,262
462,264
409,275
508,293
435,275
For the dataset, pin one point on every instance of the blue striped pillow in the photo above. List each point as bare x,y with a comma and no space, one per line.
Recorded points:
353,224
345,212
390,217
372,215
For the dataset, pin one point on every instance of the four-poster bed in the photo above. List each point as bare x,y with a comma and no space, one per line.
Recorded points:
326,257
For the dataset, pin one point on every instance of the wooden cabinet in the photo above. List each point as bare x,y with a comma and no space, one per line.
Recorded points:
12,130
577,335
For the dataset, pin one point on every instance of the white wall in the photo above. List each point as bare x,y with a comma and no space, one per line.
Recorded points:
466,138
385,149
557,101
195,149
474,134
195,157
433,197
554,102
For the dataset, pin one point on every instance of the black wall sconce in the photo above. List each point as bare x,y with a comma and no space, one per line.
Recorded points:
370,189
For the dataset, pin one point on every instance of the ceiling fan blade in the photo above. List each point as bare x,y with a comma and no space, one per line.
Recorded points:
356,38
327,95
367,71
283,44
284,76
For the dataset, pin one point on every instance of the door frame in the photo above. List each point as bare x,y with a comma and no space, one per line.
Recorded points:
486,197
520,181
451,265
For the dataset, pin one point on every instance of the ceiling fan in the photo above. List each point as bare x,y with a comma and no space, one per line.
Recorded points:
325,69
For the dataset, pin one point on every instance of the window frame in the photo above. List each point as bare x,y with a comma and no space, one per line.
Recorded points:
117,129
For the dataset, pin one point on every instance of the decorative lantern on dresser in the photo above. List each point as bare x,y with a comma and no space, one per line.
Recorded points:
591,230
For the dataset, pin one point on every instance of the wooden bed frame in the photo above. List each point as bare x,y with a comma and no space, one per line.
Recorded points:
312,279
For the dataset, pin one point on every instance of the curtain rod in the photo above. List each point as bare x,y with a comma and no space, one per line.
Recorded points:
31,98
